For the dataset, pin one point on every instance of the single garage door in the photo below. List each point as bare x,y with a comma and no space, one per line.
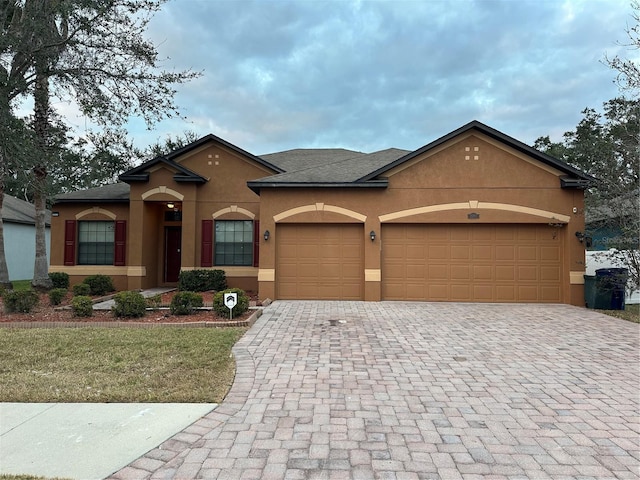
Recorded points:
320,262
472,263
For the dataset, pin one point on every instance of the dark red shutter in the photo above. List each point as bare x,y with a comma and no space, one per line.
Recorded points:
256,243
206,254
70,242
120,247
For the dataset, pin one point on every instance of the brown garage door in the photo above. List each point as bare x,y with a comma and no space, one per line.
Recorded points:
472,263
320,262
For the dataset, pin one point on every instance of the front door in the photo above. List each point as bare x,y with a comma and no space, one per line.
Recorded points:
172,242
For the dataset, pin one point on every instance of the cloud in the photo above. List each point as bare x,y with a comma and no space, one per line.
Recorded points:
373,74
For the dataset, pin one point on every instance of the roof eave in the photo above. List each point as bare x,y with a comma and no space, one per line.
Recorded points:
189,179
143,177
256,186
91,200
573,182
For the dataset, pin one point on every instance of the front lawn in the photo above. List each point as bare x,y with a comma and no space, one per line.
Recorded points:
630,313
159,364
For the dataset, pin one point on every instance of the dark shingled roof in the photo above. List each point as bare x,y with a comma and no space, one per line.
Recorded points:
323,168
15,210
115,193
303,158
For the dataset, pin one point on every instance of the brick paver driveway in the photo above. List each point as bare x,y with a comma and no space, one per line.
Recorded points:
420,390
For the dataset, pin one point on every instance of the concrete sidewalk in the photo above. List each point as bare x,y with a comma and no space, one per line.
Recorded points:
86,440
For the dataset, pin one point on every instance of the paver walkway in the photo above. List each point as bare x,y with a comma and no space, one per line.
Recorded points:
108,304
419,391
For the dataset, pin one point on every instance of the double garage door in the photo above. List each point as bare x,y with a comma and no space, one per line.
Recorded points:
435,262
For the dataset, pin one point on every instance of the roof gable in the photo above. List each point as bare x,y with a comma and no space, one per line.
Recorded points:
572,176
183,174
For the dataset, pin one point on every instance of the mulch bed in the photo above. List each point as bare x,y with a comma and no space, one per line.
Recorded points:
46,313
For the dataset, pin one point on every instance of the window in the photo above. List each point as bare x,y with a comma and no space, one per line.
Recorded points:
96,243
234,242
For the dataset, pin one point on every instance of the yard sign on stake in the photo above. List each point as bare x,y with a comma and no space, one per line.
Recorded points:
230,300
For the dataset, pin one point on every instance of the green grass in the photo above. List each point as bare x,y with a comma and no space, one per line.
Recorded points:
159,364
25,477
21,285
630,313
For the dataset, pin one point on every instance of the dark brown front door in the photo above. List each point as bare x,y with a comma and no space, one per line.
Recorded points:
172,242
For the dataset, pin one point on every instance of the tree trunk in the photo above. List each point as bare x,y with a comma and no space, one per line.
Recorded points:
41,280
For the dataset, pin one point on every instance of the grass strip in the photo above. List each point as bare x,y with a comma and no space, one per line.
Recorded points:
631,313
117,365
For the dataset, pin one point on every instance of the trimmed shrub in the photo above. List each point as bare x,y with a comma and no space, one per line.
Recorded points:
99,284
129,305
20,301
57,295
81,289
185,303
82,306
221,309
59,280
202,280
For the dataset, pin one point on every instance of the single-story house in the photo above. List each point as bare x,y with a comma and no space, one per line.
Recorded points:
474,216
19,220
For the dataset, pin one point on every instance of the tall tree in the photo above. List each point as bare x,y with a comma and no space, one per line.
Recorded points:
628,77
94,52
607,146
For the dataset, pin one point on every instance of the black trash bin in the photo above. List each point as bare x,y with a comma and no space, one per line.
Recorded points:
611,286
590,291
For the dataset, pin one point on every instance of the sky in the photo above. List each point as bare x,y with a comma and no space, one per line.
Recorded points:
369,75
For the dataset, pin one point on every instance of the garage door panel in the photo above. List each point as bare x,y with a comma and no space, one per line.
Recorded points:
528,253
415,272
481,234
528,293
527,273
460,272
483,263
323,262
438,292
505,293
550,294
505,273
550,273
461,293
550,254
437,252
505,253
438,272
483,293
483,272
482,252
460,252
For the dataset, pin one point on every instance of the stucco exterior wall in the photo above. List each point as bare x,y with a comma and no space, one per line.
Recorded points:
20,249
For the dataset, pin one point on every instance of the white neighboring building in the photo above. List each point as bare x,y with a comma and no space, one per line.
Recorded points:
18,218
600,259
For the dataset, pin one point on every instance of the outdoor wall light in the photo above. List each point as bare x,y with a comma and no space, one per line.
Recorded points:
170,205
372,235
266,235
586,239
